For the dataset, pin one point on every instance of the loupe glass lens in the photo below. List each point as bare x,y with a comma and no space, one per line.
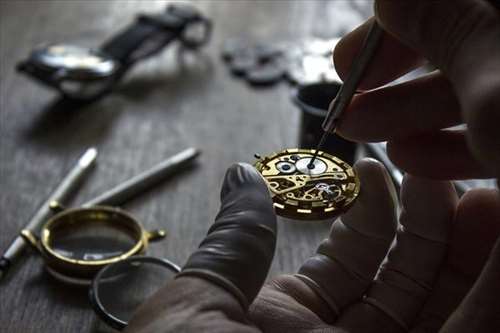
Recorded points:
119,289
91,241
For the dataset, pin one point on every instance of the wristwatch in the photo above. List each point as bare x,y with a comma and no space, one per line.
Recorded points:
86,74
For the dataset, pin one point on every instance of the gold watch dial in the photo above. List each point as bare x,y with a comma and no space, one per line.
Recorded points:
308,192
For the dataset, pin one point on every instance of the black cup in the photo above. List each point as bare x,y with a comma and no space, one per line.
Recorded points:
313,100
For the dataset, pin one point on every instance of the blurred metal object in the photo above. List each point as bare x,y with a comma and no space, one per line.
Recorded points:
76,243
119,194
63,190
84,75
312,62
266,63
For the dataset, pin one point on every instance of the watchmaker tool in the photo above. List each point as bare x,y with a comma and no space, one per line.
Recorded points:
64,189
76,242
313,101
303,193
350,85
145,180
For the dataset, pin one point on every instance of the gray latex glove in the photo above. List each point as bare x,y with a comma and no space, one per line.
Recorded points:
222,277
239,247
433,260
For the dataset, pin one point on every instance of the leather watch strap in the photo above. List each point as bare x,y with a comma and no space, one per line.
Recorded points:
145,37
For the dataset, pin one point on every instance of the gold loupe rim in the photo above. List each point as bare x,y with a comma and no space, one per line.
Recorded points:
115,217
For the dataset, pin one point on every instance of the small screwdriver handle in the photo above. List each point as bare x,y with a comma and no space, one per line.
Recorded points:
356,72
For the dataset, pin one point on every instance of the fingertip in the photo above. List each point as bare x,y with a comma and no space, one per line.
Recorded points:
346,49
374,212
241,175
341,59
243,172
373,174
428,207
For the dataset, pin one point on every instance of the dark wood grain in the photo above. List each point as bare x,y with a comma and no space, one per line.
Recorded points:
161,108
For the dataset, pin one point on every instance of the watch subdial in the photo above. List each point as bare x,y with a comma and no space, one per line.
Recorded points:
286,168
318,167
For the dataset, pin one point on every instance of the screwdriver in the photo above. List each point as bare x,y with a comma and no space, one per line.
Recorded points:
350,86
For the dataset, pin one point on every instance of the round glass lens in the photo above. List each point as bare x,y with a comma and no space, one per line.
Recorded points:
91,241
119,288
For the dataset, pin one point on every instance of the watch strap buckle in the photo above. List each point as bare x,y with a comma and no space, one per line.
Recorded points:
167,22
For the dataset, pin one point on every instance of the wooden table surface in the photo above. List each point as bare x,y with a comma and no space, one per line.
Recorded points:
159,109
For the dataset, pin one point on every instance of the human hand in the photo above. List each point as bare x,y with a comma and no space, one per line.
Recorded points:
438,253
462,39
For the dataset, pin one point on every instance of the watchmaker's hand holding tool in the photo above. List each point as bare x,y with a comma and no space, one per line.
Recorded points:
461,39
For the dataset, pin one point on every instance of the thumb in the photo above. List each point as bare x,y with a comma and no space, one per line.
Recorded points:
224,275
461,38
239,247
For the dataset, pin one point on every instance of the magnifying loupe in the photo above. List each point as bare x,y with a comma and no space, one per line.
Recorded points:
118,289
76,243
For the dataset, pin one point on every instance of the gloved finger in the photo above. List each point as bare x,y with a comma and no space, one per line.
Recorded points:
224,275
391,60
460,38
346,262
238,249
407,276
438,155
424,104
476,227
